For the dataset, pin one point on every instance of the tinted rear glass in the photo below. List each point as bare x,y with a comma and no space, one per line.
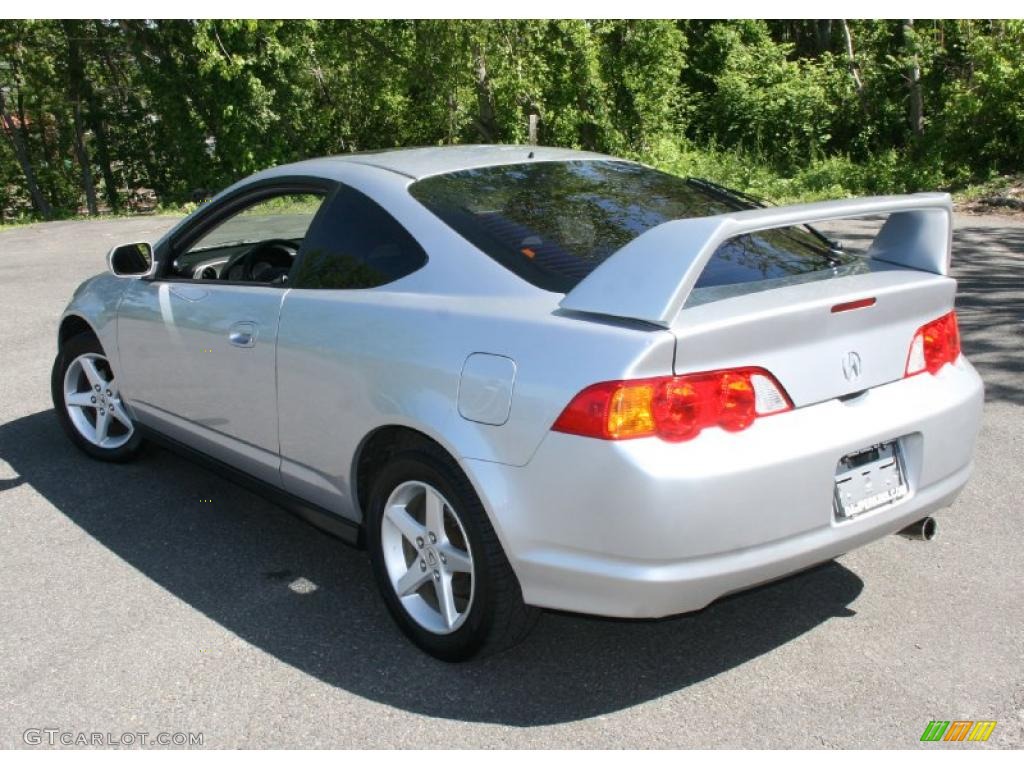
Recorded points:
356,244
554,223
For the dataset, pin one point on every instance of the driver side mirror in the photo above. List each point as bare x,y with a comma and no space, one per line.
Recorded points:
130,260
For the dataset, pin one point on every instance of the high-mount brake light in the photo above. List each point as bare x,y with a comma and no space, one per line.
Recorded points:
935,344
674,408
846,306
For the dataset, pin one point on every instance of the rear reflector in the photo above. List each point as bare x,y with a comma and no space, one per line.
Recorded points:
674,408
846,306
935,344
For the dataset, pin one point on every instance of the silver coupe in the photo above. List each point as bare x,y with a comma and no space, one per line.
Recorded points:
527,377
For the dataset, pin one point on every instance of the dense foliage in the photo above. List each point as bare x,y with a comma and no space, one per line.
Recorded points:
108,115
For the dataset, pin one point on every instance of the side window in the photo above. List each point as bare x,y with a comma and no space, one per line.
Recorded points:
356,244
256,244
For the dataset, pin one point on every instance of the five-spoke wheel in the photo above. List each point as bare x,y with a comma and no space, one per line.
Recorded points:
93,402
441,570
427,556
87,400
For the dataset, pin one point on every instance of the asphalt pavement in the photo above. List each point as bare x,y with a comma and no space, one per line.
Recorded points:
130,605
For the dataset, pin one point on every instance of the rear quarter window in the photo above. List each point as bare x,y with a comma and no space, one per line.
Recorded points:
354,243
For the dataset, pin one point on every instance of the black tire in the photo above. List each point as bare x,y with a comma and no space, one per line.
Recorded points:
497,618
85,343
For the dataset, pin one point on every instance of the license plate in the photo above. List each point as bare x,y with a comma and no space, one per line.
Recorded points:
868,479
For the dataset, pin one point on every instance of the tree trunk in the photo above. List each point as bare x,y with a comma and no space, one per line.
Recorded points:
51,150
99,130
913,76
39,201
485,120
95,118
851,62
823,34
76,79
23,125
103,156
453,118
82,154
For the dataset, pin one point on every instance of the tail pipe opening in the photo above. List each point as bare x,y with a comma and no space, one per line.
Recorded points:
922,530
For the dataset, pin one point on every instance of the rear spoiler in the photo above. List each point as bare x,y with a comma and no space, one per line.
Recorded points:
650,278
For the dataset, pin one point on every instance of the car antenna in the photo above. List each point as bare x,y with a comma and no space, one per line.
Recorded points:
530,156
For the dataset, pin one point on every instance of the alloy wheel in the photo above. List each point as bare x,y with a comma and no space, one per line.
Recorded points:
427,557
93,402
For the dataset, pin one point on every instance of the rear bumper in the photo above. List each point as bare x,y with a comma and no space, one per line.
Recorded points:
644,528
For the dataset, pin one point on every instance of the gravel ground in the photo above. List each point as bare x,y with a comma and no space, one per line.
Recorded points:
127,605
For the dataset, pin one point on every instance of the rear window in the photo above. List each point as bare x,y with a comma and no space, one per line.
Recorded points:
554,223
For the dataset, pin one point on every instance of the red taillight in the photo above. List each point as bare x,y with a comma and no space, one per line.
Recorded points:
674,408
935,344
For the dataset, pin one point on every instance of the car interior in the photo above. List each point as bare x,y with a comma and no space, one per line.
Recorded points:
265,261
258,244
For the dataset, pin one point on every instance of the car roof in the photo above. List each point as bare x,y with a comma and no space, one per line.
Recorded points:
420,162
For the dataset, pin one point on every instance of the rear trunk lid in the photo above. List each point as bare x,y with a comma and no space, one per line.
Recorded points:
805,335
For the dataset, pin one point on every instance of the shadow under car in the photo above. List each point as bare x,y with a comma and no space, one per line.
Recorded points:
311,601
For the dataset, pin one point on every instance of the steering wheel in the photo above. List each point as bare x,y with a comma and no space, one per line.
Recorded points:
266,262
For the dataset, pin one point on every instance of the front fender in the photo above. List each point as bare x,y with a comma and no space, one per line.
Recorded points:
95,302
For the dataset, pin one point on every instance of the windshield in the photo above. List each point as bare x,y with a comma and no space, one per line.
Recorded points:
554,223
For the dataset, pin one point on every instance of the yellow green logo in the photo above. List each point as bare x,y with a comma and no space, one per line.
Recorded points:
958,730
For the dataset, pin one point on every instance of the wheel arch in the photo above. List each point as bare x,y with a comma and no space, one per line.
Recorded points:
72,325
377,447
388,439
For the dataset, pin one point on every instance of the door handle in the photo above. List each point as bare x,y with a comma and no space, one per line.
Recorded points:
242,334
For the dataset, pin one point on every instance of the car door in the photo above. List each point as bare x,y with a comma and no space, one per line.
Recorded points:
197,342
336,337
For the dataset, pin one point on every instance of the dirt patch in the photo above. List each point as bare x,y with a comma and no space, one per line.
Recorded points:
1003,196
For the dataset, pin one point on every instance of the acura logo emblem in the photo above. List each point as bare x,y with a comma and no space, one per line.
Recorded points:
851,366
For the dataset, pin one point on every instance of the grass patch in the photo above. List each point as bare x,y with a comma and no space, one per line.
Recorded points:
823,178
1001,194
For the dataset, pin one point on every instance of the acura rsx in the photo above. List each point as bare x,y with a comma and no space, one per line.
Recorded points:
527,377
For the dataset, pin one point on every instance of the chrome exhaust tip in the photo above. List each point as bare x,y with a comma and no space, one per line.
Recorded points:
922,530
